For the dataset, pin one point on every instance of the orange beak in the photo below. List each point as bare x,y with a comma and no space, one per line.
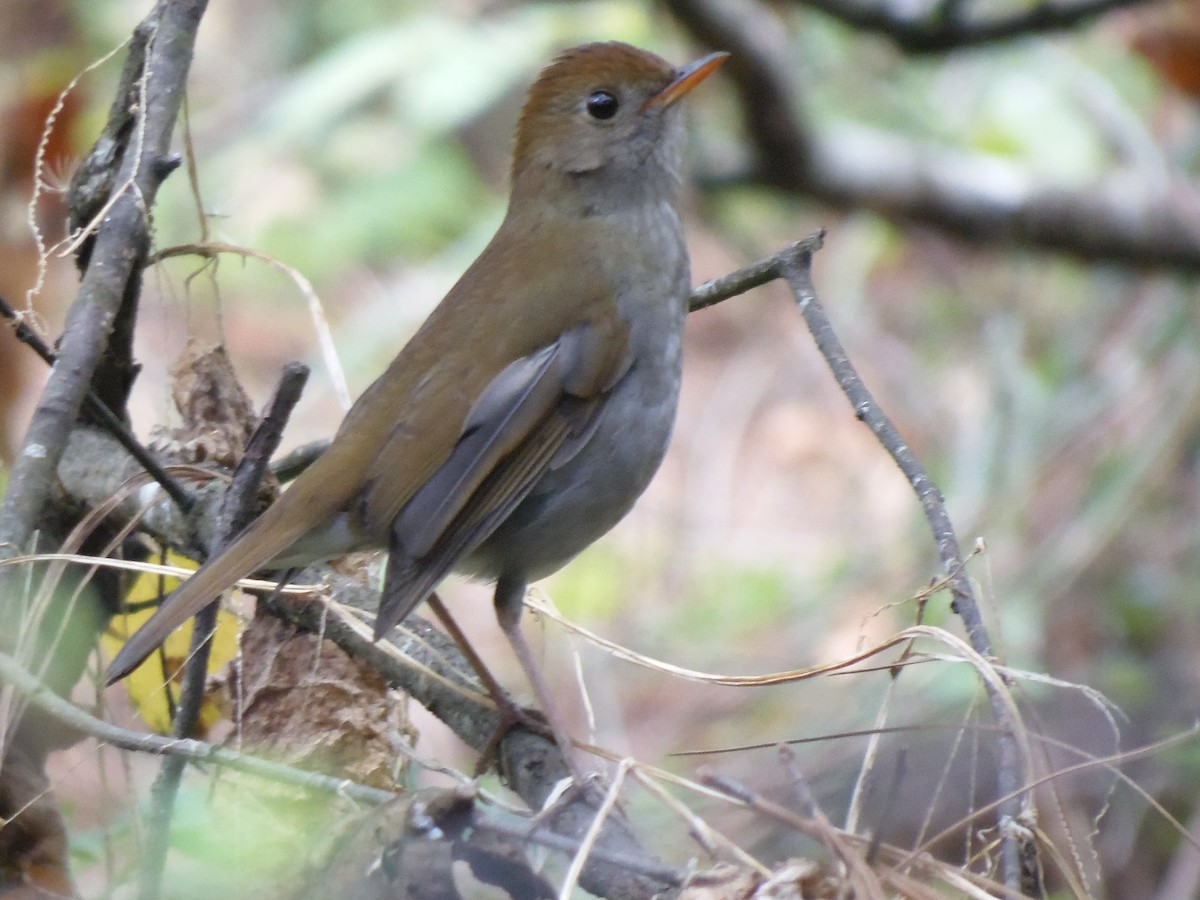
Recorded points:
686,79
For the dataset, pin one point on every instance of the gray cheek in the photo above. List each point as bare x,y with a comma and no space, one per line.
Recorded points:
670,149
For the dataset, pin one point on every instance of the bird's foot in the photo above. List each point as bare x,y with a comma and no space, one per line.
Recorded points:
510,716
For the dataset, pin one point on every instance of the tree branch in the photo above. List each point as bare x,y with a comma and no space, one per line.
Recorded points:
793,264
13,674
761,67
121,242
942,27
1018,852
236,510
1123,216
158,63
109,420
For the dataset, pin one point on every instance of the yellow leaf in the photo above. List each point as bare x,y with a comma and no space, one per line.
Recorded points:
154,685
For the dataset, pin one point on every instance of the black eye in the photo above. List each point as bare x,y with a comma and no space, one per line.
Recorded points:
602,105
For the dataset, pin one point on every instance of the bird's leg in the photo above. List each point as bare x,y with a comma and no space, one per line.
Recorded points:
510,601
510,714
503,702
396,599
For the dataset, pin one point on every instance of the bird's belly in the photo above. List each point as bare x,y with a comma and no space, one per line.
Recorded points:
575,504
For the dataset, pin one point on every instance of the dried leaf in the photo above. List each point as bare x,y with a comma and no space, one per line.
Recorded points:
303,701
218,417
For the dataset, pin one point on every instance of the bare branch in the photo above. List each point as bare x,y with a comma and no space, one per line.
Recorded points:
121,242
793,265
15,675
754,275
237,509
106,417
1124,216
1018,855
763,71
99,324
941,27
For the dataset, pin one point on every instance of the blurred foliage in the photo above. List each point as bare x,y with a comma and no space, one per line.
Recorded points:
1057,404
237,840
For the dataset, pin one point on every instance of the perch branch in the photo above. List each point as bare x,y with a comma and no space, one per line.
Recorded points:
16,676
526,757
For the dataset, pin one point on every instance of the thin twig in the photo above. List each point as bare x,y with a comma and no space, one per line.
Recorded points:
121,242
793,265
754,275
796,269
940,30
236,510
107,418
13,674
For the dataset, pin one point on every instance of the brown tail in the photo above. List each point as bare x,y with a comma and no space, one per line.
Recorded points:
256,546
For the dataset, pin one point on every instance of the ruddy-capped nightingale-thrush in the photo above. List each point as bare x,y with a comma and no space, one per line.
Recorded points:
532,407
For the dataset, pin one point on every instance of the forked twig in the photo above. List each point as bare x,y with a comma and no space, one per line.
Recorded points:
793,265
1017,856
110,420
236,509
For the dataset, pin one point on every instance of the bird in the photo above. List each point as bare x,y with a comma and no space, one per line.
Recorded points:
532,407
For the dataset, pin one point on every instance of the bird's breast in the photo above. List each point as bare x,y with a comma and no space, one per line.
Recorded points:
576,503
